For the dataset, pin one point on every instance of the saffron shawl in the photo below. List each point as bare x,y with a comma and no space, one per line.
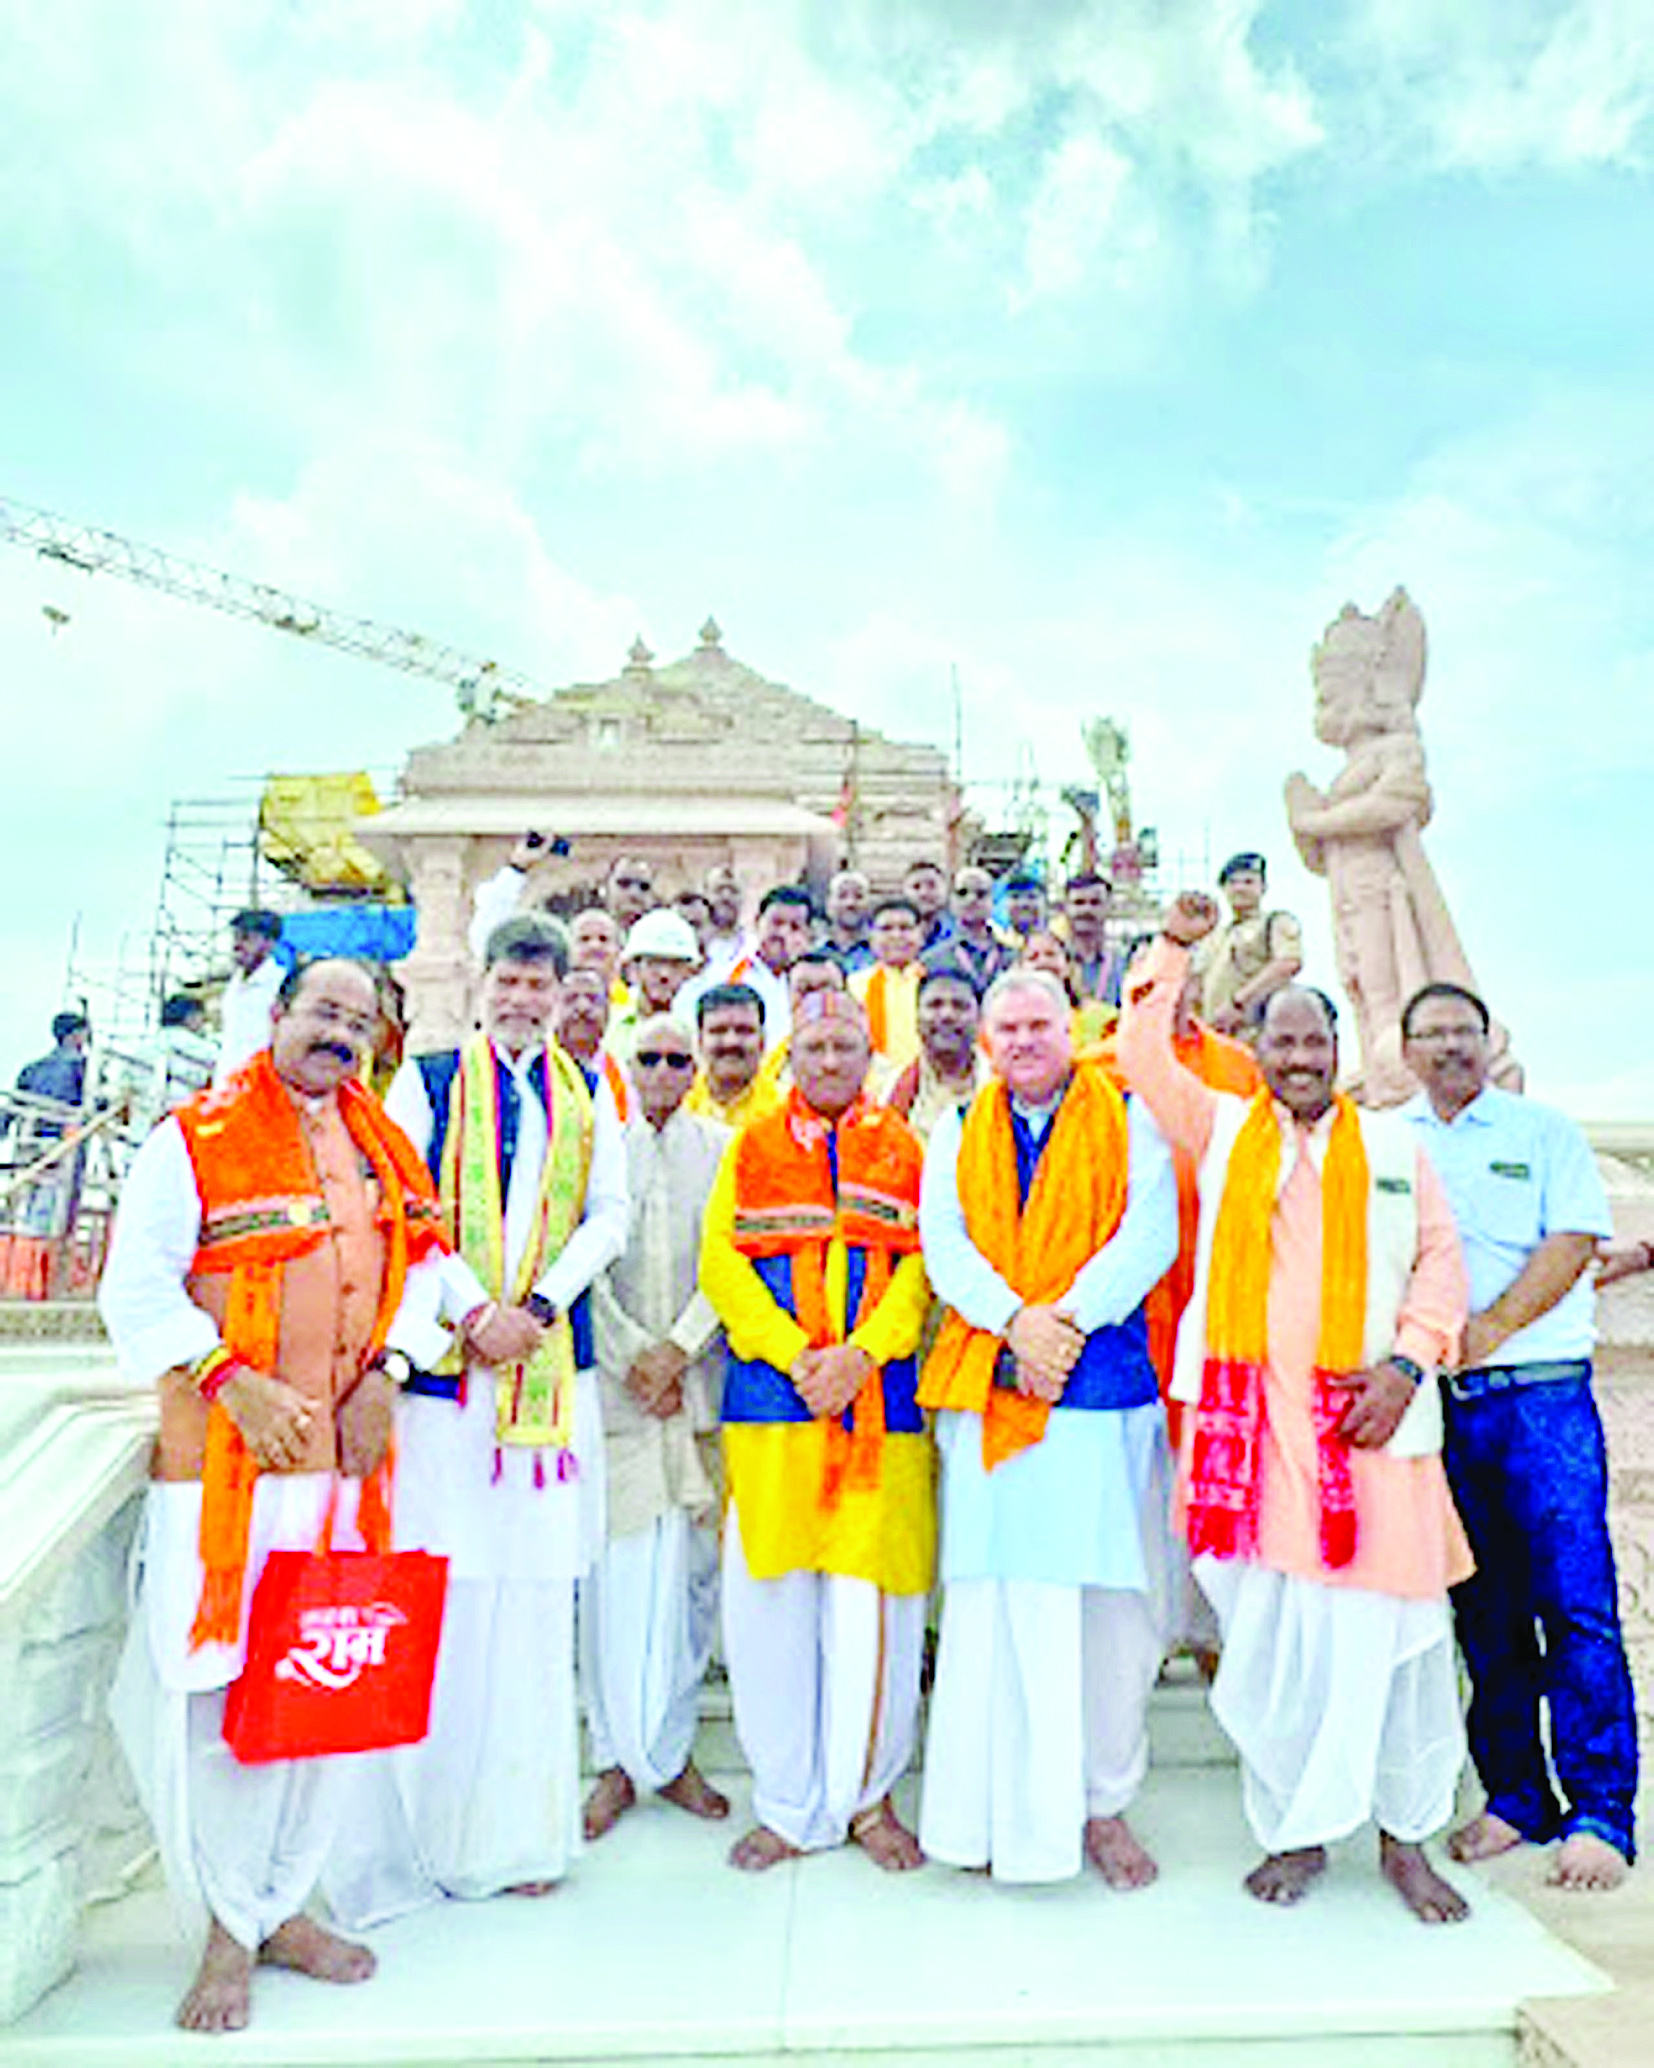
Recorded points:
787,1204
261,1206
1224,1475
1073,1208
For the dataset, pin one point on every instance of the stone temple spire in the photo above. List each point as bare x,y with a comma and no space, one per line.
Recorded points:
638,658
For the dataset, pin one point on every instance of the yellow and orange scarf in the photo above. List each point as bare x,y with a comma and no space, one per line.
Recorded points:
1073,1208
786,1204
1224,1475
261,1206
534,1401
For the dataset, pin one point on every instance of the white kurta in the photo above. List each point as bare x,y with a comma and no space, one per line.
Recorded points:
243,1842
1053,1572
244,1017
649,1609
490,1799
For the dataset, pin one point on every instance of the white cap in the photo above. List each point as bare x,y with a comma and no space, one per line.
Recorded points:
663,934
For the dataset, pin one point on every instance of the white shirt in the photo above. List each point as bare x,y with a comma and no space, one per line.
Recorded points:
601,1235
1516,1172
493,902
244,1017
458,1491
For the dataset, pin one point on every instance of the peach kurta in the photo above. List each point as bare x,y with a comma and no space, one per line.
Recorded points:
1409,1540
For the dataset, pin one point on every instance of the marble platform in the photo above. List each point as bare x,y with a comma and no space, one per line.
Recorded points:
655,1950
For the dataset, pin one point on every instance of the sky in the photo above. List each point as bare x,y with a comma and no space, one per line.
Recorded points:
1100,352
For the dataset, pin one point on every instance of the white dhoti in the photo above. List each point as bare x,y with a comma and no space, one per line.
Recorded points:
824,1671
491,1796
647,1615
1037,1722
1053,1629
1343,1704
244,1844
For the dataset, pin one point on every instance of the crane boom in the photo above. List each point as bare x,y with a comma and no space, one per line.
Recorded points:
481,687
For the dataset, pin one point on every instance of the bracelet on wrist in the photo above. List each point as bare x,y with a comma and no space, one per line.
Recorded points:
543,1310
212,1373
479,1317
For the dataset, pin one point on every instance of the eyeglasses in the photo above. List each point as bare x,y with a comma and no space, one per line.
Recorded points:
1430,1037
631,883
667,1058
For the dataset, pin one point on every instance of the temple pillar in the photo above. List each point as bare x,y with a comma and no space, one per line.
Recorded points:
437,976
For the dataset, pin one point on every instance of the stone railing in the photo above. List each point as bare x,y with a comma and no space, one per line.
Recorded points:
74,1454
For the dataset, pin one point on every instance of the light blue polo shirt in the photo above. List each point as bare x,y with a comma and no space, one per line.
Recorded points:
1514,1172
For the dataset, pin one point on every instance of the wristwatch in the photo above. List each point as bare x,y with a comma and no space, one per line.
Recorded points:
543,1310
397,1366
1407,1367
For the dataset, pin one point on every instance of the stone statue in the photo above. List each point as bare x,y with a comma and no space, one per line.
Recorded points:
1391,927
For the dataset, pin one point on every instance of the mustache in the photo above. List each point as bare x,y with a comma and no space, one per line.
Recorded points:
342,1050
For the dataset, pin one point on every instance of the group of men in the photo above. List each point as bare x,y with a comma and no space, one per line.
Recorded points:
687,1277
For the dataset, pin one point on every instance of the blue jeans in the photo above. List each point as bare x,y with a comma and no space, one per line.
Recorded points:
1539,1620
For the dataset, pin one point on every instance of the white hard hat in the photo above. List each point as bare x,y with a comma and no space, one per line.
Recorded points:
662,934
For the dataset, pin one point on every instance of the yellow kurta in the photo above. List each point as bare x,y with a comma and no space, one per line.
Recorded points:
774,1470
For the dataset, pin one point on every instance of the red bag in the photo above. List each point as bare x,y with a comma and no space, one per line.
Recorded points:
341,1652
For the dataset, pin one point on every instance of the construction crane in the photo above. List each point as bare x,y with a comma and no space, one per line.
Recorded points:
483,689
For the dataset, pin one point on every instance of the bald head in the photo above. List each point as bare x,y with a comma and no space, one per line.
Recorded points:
663,1065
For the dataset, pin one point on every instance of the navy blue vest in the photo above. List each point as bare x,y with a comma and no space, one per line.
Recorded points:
437,1073
1113,1369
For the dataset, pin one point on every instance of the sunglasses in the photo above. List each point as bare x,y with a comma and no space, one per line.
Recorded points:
671,1058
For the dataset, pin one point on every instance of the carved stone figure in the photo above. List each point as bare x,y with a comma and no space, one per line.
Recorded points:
1391,927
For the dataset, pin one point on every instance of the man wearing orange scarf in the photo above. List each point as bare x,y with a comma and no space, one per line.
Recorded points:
1328,1289
889,988
276,1262
809,1254
1049,1211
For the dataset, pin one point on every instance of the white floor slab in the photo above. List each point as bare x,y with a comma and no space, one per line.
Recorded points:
655,1949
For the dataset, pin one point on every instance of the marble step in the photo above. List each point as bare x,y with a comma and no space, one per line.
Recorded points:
655,1951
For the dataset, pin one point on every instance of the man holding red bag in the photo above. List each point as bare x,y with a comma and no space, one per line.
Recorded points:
277,1257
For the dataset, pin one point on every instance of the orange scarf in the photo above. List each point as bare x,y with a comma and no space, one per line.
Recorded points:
615,1077
1073,1208
786,1205
1224,1463
261,1206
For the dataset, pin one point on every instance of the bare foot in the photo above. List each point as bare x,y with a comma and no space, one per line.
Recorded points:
611,1797
220,1997
1114,1850
1585,1862
1420,1887
692,1791
1485,1837
309,1949
530,1888
759,1849
885,1839
1286,1877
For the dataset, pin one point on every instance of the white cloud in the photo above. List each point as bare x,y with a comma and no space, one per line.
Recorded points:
1496,84
1078,213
